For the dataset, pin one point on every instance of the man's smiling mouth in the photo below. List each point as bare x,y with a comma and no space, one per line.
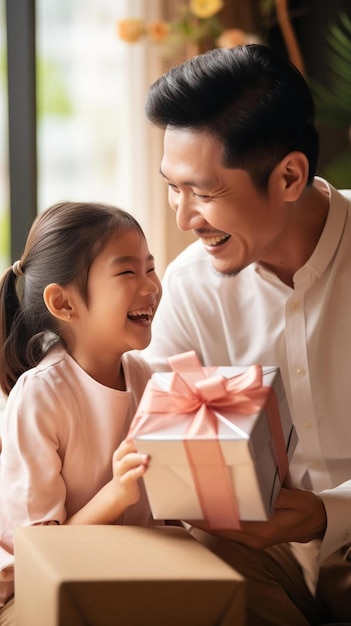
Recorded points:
214,240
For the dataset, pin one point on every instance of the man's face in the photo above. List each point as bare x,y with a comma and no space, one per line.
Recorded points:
236,223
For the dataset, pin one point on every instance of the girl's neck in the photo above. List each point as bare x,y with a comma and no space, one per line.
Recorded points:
112,379
107,374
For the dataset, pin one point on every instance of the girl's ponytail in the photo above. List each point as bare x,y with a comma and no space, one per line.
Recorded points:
13,334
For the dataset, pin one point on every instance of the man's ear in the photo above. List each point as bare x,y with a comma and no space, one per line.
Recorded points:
59,301
292,175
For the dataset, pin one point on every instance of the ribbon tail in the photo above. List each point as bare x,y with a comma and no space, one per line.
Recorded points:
213,484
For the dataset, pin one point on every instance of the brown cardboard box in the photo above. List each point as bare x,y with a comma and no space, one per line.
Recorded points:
122,576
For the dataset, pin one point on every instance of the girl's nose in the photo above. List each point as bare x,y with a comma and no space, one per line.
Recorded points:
152,284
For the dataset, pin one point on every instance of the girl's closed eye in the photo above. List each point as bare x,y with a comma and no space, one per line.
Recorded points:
125,272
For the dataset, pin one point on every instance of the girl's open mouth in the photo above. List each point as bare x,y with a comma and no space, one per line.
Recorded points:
141,314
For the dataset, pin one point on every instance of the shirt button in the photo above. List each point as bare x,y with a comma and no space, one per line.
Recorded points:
307,425
314,465
294,306
300,371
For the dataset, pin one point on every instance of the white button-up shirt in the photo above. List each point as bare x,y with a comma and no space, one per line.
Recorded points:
256,318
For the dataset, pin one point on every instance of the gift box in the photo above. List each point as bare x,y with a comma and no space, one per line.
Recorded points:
220,441
108,575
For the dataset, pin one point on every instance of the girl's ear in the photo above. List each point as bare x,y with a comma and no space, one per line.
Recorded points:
292,172
59,301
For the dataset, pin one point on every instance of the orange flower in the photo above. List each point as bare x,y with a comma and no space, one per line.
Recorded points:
158,31
205,8
235,37
130,30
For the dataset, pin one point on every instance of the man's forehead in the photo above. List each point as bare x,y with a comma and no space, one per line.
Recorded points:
190,134
191,148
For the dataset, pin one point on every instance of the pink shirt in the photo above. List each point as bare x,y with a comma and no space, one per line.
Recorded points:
60,430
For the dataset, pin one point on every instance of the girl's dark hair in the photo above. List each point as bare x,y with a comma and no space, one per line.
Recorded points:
250,98
61,246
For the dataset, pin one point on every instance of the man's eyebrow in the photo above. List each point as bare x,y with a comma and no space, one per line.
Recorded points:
205,184
200,184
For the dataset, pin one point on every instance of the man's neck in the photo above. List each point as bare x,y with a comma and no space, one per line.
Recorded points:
309,215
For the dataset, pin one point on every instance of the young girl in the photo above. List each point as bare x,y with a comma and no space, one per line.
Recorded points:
83,294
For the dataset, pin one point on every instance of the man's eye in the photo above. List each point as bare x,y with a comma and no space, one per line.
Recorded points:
152,269
173,188
200,195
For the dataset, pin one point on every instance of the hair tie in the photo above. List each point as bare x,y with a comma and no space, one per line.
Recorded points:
17,268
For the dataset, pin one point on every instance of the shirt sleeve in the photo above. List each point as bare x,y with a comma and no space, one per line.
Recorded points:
337,504
32,490
32,486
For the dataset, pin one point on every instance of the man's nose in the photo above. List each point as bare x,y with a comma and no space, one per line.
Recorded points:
188,216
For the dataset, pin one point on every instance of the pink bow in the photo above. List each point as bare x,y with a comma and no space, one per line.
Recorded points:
194,391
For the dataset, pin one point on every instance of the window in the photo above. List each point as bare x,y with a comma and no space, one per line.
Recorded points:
84,149
4,183
90,139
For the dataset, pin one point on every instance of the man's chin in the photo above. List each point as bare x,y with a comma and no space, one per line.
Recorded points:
228,272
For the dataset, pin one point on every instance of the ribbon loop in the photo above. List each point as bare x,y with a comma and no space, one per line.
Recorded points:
185,362
211,389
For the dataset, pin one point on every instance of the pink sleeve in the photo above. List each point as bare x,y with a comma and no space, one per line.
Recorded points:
31,481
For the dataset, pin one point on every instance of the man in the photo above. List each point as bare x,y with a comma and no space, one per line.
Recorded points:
267,283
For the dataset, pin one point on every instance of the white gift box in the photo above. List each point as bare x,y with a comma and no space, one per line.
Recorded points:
247,445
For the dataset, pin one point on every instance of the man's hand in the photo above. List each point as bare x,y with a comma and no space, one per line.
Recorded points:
298,516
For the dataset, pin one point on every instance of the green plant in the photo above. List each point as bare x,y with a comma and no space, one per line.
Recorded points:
333,102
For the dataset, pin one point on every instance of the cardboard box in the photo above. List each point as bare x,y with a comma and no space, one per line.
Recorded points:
247,447
130,576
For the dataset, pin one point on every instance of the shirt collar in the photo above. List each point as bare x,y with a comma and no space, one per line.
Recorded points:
332,231
328,241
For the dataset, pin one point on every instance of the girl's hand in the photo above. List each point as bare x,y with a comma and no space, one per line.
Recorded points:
128,466
118,494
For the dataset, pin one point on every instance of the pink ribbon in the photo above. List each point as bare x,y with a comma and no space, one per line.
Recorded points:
194,392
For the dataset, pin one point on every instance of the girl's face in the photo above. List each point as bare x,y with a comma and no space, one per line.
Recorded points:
123,294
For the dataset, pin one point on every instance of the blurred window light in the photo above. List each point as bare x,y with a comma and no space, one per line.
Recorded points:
83,149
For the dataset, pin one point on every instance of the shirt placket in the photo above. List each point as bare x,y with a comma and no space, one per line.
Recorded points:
300,384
